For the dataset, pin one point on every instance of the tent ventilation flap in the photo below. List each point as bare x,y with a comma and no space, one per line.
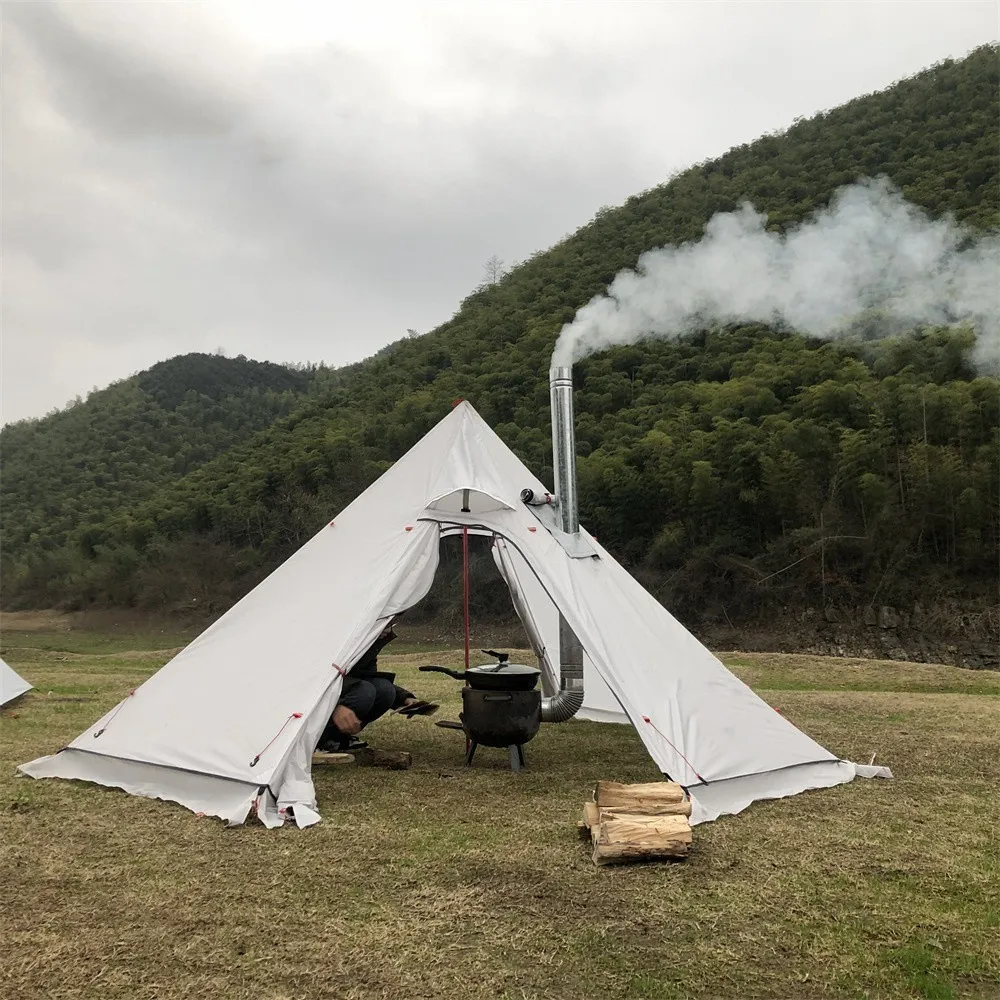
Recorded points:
567,701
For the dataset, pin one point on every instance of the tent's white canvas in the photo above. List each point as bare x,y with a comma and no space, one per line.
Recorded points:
11,685
230,723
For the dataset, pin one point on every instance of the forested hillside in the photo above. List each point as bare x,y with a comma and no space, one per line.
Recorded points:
741,469
69,469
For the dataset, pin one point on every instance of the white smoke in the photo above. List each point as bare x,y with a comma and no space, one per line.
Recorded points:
869,250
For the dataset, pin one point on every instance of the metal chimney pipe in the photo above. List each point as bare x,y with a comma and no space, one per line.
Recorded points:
564,447
566,703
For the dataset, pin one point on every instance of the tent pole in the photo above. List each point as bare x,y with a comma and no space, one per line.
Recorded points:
465,606
465,589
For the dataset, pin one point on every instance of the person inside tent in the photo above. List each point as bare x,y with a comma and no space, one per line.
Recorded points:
368,693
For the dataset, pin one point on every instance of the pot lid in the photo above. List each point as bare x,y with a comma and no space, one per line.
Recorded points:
504,668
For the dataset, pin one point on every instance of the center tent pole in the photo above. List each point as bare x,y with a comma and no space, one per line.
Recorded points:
465,589
465,604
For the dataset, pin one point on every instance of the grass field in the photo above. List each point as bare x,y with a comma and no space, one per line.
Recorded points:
444,882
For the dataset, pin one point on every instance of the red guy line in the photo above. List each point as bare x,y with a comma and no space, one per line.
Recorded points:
294,715
648,721
114,713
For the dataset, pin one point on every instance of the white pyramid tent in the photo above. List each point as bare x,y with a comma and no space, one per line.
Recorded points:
230,723
11,685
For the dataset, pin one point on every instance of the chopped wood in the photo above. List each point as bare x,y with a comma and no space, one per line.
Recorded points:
641,822
610,854
648,797
644,829
591,814
666,809
594,815
640,838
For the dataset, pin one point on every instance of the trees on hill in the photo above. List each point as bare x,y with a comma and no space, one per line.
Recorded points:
741,467
63,474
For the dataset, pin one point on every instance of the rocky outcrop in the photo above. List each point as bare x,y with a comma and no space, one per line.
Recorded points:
921,633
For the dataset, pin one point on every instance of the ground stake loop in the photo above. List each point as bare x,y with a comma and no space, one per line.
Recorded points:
294,715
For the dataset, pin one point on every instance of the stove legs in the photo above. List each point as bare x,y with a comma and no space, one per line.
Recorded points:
514,751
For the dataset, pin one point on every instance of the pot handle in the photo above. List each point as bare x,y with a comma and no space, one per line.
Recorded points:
444,670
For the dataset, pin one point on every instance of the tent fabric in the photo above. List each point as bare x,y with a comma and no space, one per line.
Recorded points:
228,726
540,619
12,685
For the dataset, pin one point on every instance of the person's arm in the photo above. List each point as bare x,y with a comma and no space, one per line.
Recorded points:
402,697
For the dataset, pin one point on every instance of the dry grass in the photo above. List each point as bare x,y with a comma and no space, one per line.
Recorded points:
793,672
445,882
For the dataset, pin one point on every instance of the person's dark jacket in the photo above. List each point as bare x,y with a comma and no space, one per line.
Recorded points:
367,668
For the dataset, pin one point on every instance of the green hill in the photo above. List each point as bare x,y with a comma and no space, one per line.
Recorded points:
69,469
742,469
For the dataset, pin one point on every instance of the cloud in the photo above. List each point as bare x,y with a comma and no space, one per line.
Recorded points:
119,90
175,182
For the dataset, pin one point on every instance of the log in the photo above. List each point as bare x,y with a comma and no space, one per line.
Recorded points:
594,815
617,854
640,838
666,809
648,797
643,829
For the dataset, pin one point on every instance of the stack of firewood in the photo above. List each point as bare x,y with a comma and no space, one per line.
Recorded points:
645,822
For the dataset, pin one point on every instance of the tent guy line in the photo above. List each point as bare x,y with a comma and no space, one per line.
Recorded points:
274,738
694,770
100,732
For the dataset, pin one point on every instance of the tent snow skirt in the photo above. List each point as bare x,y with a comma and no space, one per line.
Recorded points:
229,725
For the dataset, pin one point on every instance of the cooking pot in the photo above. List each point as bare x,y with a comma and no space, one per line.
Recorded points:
500,718
499,676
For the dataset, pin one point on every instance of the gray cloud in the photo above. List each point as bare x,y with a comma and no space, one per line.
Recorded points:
115,90
168,187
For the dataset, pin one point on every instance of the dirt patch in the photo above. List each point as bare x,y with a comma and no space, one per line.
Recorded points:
894,639
66,656
35,621
109,621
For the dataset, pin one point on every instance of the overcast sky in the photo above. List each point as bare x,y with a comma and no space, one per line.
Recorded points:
304,182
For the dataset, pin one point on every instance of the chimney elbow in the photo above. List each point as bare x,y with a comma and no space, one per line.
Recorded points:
566,703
